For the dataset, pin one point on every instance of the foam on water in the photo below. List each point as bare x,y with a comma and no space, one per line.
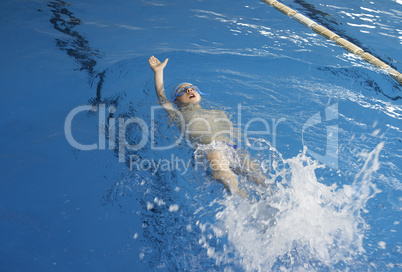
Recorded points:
298,224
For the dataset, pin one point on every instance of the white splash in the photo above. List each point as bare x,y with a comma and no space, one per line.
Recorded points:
300,224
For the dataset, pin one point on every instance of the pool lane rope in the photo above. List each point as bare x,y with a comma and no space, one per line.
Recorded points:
328,34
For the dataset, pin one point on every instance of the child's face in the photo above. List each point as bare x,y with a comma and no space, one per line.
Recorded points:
190,97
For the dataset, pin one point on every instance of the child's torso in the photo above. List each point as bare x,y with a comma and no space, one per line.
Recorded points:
205,126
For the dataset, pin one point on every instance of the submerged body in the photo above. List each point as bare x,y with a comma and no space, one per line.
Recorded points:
200,126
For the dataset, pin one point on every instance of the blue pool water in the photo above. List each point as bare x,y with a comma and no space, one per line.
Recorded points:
333,147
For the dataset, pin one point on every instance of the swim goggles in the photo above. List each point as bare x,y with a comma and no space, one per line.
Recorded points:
180,91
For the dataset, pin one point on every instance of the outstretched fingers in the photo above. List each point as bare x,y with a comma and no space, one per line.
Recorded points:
153,61
156,65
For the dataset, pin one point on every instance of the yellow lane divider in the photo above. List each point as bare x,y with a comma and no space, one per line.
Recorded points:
328,34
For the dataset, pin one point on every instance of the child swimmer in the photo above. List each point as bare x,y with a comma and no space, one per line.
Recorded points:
201,126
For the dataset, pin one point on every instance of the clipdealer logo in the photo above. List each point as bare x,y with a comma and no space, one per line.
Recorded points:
147,132
330,158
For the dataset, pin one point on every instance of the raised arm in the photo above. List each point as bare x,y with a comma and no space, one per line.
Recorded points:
158,67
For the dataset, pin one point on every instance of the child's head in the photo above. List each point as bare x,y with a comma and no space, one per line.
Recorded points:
186,93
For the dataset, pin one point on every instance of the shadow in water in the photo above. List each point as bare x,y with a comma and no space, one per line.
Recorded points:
76,45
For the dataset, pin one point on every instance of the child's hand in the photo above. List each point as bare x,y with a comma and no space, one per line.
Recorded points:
156,65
